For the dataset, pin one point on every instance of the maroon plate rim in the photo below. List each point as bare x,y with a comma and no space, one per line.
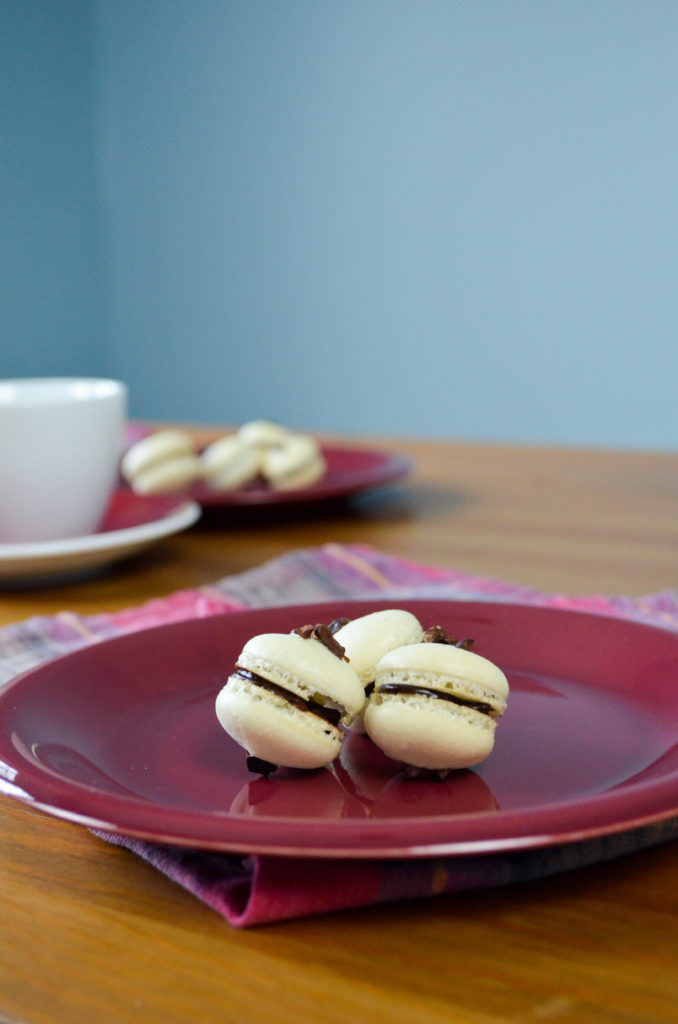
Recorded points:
611,671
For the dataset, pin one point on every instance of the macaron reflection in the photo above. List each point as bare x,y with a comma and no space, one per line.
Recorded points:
363,769
461,793
385,791
295,794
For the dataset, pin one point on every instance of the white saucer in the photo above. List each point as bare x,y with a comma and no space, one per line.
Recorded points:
132,523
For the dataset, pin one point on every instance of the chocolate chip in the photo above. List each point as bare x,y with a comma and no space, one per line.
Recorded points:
438,635
259,766
305,632
322,633
336,624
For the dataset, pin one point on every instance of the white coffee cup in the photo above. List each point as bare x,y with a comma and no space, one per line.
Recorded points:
61,439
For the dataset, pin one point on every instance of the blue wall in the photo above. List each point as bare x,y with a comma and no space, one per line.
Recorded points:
439,217
51,287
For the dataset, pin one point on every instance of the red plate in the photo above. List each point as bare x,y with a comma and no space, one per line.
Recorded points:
349,471
131,523
123,736
129,511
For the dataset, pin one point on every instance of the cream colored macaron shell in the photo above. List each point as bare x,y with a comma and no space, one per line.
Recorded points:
407,719
296,462
278,728
229,463
163,461
262,434
367,639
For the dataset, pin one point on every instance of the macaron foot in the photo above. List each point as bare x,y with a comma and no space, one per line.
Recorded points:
259,766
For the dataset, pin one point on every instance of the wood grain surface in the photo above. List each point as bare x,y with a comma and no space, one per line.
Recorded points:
91,934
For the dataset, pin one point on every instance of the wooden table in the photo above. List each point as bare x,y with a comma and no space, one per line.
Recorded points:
91,934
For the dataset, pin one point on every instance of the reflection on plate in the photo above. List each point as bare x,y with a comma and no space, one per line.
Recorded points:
131,523
349,471
122,736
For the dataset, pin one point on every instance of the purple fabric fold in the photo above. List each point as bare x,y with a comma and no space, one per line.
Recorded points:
251,890
258,890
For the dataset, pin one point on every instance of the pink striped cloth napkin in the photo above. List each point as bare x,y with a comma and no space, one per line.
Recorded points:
254,889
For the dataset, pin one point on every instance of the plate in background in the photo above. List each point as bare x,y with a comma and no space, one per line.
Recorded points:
350,470
131,523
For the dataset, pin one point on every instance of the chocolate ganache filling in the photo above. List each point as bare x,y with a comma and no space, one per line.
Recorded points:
475,705
331,715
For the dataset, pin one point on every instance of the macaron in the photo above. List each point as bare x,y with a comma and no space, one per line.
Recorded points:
162,461
435,706
229,463
288,698
262,434
296,462
368,638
